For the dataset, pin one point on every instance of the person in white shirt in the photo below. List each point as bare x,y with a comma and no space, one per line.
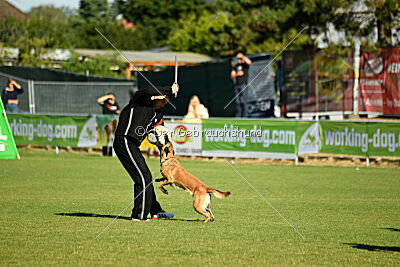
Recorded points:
196,110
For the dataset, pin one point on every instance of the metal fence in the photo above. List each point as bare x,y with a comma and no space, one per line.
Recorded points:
67,97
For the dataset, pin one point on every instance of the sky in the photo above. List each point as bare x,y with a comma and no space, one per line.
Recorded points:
25,5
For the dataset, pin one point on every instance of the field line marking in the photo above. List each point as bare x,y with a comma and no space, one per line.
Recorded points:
269,64
266,200
130,63
133,200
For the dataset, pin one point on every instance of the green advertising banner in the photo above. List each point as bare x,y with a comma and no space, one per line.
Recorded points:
8,150
383,139
344,138
77,131
360,138
106,127
261,135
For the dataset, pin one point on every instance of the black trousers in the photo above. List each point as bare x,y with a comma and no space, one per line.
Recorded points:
240,101
131,158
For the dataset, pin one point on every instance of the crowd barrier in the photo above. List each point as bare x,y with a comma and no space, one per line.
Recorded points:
217,137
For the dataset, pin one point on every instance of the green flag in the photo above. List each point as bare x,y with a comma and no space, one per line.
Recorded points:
8,150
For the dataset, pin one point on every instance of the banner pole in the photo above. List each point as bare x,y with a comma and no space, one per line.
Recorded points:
356,62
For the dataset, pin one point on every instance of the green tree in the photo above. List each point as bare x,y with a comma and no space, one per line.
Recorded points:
99,65
252,26
51,25
208,34
155,20
94,11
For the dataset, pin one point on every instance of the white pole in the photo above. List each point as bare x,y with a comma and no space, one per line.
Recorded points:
356,66
176,69
316,95
176,72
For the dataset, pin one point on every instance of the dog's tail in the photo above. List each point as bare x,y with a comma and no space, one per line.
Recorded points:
218,194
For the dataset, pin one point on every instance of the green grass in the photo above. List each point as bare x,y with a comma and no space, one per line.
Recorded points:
348,216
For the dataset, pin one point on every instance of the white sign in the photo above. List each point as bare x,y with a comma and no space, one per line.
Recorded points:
186,138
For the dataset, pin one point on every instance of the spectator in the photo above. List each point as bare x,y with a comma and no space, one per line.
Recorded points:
9,96
110,106
196,110
240,72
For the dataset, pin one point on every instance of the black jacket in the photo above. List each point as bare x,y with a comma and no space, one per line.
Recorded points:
139,116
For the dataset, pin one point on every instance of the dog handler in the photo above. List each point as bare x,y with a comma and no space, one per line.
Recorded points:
136,119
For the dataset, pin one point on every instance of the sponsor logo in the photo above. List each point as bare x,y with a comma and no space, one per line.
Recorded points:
88,135
373,66
181,135
49,131
310,141
233,134
351,138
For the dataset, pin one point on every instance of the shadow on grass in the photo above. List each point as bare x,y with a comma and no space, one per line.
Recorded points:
92,215
184,220
392,229
373,248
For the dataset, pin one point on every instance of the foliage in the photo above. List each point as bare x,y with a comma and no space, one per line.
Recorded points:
99,65
217,28
94,11
51,25
157,20
266,25
209,34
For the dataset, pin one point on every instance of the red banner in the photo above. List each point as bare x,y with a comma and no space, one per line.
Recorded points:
379,90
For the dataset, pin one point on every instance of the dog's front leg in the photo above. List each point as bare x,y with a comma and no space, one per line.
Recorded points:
161,186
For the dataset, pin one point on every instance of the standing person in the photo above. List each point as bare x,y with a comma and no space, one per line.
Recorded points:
136,119
9,96
108,103
110,106
240,73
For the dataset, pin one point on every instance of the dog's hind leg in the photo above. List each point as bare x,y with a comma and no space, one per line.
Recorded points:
208,209
200,204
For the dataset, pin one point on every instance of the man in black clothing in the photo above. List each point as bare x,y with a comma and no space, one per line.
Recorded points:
240,72
108,103
136,119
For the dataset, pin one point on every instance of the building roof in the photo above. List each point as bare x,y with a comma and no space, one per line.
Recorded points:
150,58
9,10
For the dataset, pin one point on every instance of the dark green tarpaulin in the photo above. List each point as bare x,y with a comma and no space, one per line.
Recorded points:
210,81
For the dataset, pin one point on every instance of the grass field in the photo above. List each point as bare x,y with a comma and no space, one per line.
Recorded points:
52,208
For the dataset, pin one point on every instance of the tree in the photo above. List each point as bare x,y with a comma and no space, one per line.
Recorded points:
252,26
51,25
386,17
17,34
155,20
99,65
93,11
209,34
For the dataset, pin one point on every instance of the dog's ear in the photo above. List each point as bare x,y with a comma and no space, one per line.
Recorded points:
166,150
167,140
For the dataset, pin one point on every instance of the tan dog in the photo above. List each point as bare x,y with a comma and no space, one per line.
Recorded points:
176,176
